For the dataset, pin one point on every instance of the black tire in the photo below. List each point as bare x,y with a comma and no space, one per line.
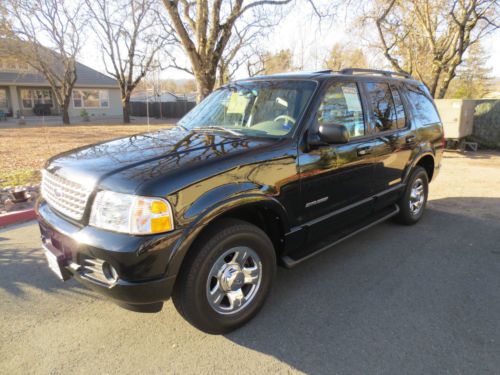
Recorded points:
406,215
191,293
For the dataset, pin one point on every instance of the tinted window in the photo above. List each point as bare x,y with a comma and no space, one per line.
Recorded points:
382,106
400,109
423,109
342,105
256,108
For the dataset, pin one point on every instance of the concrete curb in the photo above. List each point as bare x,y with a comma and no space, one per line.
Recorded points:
17,217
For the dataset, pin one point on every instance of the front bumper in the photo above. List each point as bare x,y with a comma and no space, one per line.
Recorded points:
140,261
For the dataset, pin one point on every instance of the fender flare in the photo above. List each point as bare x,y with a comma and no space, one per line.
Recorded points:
191,232
414,163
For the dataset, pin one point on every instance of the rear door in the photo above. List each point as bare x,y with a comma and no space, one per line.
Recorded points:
393,140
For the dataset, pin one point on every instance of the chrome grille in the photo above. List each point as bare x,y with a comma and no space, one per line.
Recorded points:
67,197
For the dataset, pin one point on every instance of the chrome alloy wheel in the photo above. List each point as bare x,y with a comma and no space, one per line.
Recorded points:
234,280
417,197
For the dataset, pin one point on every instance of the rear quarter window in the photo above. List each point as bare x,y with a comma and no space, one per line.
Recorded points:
422,107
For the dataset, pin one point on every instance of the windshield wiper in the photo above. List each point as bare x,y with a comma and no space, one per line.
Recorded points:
221,128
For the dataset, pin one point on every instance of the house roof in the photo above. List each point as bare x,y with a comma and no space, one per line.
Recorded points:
86,77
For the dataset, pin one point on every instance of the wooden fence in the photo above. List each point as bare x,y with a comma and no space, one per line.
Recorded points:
163,109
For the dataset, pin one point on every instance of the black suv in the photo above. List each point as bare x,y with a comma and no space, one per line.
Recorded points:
265,171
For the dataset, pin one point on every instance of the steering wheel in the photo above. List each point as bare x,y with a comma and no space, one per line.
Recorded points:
284,117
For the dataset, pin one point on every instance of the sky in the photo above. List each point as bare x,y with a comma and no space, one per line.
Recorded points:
302,34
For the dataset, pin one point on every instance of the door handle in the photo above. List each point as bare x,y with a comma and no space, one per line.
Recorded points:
411,139
364,150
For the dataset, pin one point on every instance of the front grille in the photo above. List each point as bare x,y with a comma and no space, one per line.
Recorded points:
67,197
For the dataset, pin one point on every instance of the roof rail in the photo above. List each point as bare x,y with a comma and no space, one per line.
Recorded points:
325,71
386,73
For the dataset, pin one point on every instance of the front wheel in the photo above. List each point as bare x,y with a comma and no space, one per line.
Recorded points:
226,277
414,199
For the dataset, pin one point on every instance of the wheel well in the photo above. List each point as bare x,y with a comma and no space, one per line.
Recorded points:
260,216
427,162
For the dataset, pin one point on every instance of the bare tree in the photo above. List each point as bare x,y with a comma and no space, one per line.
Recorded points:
204,28
47,35
343,56
429,38
242,48
131,35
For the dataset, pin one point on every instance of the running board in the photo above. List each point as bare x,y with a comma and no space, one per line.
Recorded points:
288,262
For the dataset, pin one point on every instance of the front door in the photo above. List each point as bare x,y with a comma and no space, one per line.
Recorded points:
336,180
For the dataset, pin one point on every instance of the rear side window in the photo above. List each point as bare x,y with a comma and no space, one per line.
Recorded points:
400,109
342,105
423,109
382,106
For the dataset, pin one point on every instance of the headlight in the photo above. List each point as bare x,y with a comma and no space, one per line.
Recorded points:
132,214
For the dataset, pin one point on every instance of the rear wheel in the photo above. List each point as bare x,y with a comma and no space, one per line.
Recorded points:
412,203
226,277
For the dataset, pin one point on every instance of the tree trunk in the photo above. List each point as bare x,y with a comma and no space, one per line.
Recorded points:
445,85
126,109
205,83
436,74
65,112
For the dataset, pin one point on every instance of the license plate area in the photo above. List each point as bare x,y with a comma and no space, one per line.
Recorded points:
56,261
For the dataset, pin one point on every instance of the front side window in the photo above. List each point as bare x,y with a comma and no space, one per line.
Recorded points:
382,106
423,110
342,105
258,108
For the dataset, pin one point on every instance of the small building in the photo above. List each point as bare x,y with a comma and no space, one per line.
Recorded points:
23,91
164,97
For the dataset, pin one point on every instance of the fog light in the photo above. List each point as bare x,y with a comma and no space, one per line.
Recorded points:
109,272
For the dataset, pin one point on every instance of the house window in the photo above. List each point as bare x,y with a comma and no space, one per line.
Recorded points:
90,98
77,99
3,98
31,97
26,97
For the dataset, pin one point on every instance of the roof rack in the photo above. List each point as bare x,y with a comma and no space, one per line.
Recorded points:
324,71
386,73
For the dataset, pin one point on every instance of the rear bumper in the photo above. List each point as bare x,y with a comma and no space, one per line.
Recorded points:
140,261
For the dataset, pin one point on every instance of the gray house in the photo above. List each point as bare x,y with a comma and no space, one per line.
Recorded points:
22,90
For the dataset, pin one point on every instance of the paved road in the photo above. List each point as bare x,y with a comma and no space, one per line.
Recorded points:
422,299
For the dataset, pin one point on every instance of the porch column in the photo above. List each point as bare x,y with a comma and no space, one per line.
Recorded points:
14,100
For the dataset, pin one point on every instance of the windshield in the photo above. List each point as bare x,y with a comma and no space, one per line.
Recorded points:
256,108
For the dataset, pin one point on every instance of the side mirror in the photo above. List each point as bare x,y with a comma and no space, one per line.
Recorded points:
333,133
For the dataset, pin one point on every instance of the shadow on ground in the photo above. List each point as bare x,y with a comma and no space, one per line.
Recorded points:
422,299
394,299
21,266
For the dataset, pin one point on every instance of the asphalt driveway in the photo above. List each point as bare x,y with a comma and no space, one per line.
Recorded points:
422,299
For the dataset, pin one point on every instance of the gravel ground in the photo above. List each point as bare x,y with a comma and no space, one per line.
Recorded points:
393,300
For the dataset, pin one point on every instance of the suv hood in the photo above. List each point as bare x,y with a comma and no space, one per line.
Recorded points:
142,156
